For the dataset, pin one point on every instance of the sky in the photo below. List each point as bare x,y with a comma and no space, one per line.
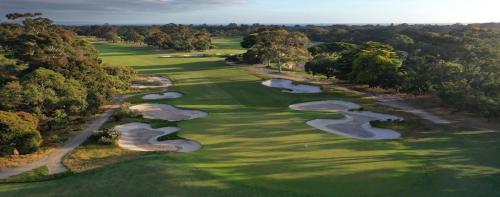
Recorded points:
259,11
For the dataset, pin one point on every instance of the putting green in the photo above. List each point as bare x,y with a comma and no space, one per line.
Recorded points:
254,145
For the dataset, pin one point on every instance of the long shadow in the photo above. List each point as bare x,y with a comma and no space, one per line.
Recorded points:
256,146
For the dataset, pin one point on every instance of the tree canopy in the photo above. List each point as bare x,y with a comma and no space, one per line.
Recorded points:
49,71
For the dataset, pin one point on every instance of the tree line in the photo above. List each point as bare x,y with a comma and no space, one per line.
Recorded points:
459,64
48,76
170,36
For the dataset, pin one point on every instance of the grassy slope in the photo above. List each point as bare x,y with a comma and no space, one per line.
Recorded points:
255,146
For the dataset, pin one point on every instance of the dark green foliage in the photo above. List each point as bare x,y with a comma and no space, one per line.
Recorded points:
158,39
249,41
132,36
377,65
106,136
252,57
18,131
276,46
330,48
180,38
322,65
332,59
53,74
112,36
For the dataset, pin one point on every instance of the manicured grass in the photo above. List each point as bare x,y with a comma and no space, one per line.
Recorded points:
253,145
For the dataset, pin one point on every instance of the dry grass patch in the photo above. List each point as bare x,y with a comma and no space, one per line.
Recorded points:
91,156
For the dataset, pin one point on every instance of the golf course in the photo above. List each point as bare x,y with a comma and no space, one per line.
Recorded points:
253,144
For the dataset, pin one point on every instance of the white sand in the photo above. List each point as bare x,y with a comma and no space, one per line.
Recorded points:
331,105
166,95
165,83
290,87
167,112
141,137
355,125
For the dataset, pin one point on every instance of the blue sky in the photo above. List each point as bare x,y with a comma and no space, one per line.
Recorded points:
259,11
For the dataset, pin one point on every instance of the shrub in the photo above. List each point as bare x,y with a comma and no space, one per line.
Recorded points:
106,136
234,58
18,131
125,112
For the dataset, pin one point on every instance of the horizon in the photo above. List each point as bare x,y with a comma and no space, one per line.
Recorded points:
216,12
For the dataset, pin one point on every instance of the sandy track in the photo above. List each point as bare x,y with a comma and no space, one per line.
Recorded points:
141,137
54,160
167,112
355,125
290,87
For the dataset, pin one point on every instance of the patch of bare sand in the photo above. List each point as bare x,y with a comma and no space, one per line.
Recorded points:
290,87
141,137
355,125
165,95
167,112
164,83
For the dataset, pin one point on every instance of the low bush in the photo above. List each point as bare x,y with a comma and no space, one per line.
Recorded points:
106,136
234,58
125,112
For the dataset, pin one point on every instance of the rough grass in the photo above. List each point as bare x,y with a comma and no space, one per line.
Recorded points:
92,155
253,145
35,175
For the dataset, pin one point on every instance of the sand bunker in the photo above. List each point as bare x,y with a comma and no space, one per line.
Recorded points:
165,83
167,112
290,87
141,137
355,125
166,95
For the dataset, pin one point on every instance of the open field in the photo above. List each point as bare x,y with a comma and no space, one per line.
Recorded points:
254,145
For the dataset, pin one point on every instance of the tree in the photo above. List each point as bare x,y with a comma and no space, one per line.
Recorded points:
158,39
45,92
202,40
330,48
420,74
112,36
401,42
249,41
280,46
37,43
132,36
18,131
377,65
322,65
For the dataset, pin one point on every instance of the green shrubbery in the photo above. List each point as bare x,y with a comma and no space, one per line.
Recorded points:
125,112
18,132
106,136
48,71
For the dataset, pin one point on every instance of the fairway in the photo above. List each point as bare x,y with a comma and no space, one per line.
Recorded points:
254,145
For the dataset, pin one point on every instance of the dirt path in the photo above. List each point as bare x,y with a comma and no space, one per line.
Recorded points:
53,161
386,100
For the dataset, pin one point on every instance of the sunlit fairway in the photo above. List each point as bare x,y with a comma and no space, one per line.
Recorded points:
253,145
